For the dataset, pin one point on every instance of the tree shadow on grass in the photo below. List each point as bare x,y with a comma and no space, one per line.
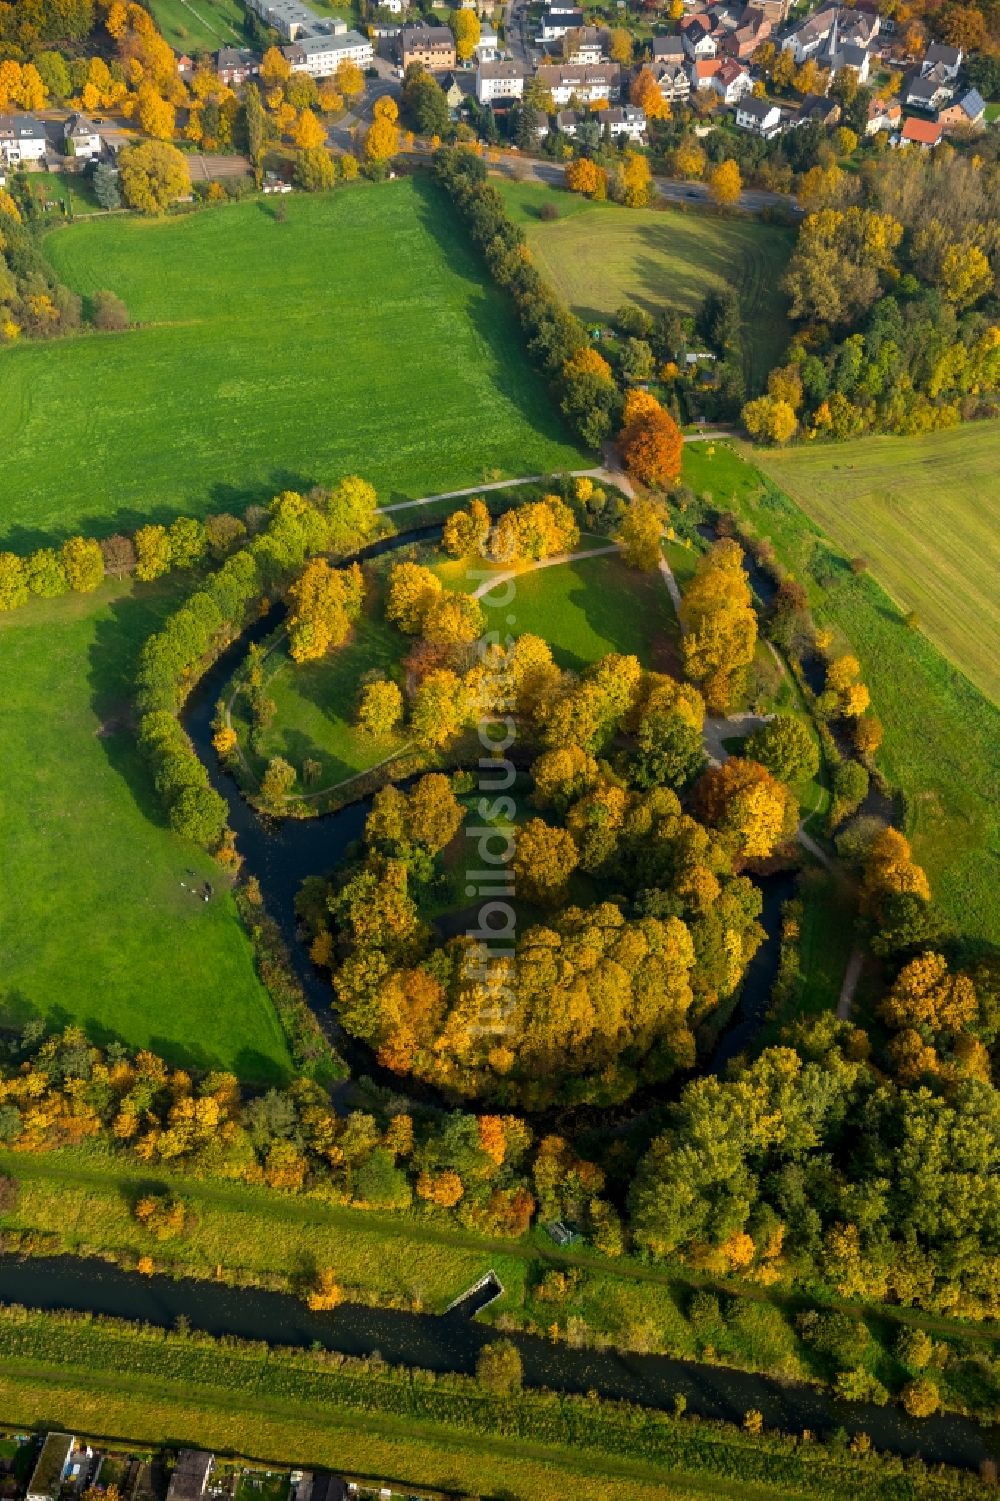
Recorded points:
492,317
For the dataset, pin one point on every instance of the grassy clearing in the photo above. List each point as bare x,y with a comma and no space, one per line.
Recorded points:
97,927
594,606
70,190
941,734
357,336
925,513
195,26
600,255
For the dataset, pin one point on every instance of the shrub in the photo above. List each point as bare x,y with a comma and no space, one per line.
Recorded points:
499,1368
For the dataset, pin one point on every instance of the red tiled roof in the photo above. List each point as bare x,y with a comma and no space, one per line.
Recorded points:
923,132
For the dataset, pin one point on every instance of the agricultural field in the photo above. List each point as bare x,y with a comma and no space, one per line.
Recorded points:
925,515
102,922
195,26
357,335
941,733
599,255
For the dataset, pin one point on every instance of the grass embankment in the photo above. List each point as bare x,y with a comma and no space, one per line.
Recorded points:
444,1431
102,925
81,1202
599,255
194,26
358,334
941,733
925,514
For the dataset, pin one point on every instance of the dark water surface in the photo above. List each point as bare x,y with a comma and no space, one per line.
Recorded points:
450,1343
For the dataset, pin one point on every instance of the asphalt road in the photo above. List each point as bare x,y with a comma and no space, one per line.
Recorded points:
752,200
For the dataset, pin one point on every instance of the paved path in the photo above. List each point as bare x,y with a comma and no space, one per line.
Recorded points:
609,477
488,585
852,975
729,727
673,588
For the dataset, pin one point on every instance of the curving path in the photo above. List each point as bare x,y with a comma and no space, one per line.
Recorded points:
488,585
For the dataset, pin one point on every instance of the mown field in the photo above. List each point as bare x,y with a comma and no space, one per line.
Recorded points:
925,514
101,923
359,335
941,733
600,255
195,26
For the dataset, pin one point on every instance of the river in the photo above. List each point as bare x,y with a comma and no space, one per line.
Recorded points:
450,1342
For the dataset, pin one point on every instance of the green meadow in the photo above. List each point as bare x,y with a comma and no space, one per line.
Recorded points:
358,334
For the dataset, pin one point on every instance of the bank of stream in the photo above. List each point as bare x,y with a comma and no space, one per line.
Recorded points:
451,1342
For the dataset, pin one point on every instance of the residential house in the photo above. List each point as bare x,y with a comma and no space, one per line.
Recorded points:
883,114
499,80
625,121
556,23
948,59
22,139
394,7
775,11
320,56
585,46
568,121
185,66
433,47
744,40
53,1462
190,1476
668,49
963,114
929,91
673,81
760,117
835,36
234,65
702,73
922,133
453,91
487,49
292,18
586,83
731,81
699,43
81,137
819,108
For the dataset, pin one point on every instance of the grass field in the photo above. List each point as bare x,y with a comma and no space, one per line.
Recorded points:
70,188
925,513
941,733
97,927
600,255
195,26
357,336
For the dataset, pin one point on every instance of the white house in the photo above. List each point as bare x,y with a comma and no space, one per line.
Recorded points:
22,139
81,136
732,82
556,23
625,120
585,84
759,117
699,43
321,56
948,59
499,80
585,46
292,18
672,81
488,46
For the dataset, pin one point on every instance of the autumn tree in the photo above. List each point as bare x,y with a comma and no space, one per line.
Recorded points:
277,782
645,94
745,802
640,534
499,1368
650,440
926,994
413,589
544,859
769,419
323,604
153,176
350,81
83,562
440,708
467,31
161,1214
719,622
13,582
725,184
275,69
382,140
380,708
587,177
152,552
309,133
326,1294
786,747
314,170
466,532
843,694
